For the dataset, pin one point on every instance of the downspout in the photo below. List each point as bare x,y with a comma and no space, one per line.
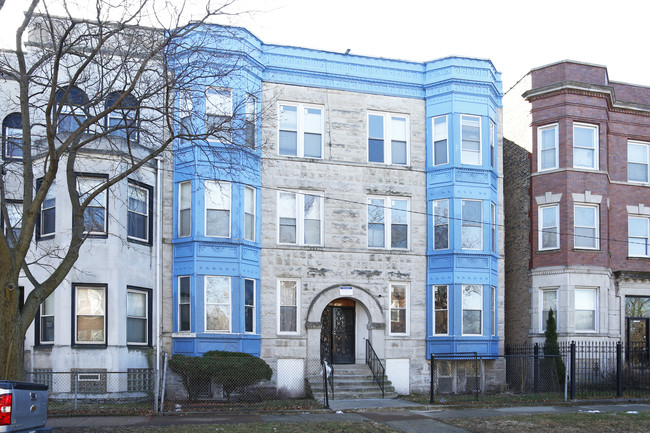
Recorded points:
158,258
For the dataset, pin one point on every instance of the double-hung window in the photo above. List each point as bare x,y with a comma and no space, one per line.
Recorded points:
300,218
638,161
388,138
547,147
89,304
549,227
12,137
71,101
184,298
139,210
95,220
440,310
15,216
184,209
585,309
441,224
548,303
493,226
301,130
250,122
494,304
585,226
288,301
218,114
217,208
472,309
249,305
493,150
388,210
472,224
45,225
398,309
440,140
122,120
217,304
46,321
249,213
585,146
470,140
137,317
638,236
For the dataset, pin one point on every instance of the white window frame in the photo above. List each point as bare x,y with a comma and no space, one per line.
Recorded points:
49,203
646,163
463,151
220,108
556,148
596,229
594,291
493,154
471,224
388,221
297,306
180,303
147,192
444,222
542,314
184,188
392,308
15,216
440,133
49,304
389,137
595,144
250,208
463,309
440,310
146,317
541,229
646,239
220,201
299,200
300,128
76,315
99,202
228,304
253,306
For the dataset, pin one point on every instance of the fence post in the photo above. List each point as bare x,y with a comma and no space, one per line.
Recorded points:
432,383
573,370
619,370
76,389
536,368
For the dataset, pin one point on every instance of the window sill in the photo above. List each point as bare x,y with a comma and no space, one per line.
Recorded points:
45,238
638,257
549,251
89,346
587,250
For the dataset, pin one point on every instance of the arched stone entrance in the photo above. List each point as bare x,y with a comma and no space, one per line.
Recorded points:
369,321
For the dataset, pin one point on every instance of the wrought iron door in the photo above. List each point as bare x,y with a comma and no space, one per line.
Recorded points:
343,335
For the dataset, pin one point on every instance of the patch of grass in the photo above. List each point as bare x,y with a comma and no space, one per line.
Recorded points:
488,400
571,423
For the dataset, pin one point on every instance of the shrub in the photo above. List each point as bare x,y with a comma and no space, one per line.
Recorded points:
552,349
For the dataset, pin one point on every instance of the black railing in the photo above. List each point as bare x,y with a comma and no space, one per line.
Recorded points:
376,367
328,379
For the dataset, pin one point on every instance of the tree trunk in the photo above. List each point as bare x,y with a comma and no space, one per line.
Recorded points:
12,335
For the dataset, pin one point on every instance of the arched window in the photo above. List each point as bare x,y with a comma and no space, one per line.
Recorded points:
72,100
123,120
12,136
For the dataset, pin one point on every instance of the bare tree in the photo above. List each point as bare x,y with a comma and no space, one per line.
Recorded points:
86,91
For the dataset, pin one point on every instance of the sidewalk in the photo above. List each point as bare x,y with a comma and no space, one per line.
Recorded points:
401,415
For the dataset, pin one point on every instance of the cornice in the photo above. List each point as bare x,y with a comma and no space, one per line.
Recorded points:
574,270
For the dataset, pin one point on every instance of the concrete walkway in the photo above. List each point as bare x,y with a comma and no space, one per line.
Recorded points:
399,414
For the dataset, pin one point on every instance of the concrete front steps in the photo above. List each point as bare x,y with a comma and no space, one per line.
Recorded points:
351,381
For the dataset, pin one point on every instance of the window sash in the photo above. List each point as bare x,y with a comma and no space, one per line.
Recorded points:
548,301
48,212
472,309
441,224
249,213
493,156
288,298
13,142
586,306
47,320
138,212
300,131
638,162
217,293
398,309
218,113
218,197
379,213
137,317
440,310
472,224
90,316
585,146
95,213
495,301
184,299
184,209
585,227
249,306
549,227
250,119
493,208
638,236
440,140
470,147
547,154
388,138
300,218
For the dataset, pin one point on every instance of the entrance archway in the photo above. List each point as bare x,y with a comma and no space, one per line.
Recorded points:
338,333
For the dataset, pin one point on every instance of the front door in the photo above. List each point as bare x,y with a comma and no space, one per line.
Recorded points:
637,339
338,332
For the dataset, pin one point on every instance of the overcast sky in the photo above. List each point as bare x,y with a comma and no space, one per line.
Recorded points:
517,35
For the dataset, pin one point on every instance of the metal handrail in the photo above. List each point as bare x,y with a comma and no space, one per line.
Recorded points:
328,378
376,367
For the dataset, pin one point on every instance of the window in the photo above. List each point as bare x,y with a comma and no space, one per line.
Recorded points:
440,137
90,314
288,304
495,302
470,140
15,216
217,208
301,131
638,234
472,309
217,304
638,161
393,127
549,302
249,213
441,224
300,217
140,208
218,113
71,102
549,227
585,146
46,321
472,224
440,310
585,226
547,147
382,210
585,309
12,137
95,221
398,309
250,122
493,153
138,326
45,224
249,305
122,121
493,209
184,209
184,304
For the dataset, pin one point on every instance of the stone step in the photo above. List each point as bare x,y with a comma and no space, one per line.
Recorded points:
351,381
